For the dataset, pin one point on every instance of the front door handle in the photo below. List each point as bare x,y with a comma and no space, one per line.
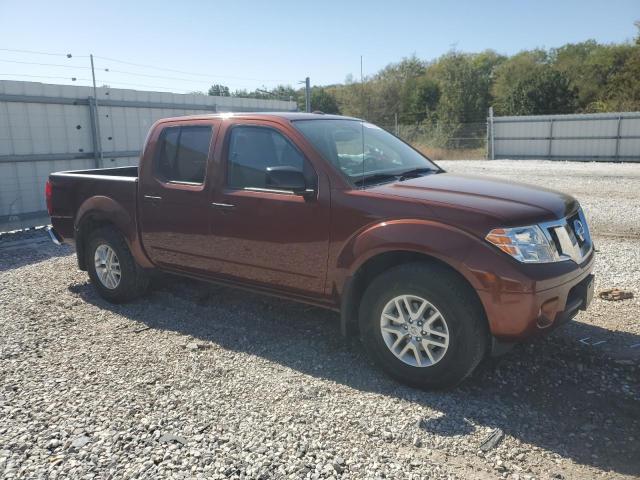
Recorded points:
152,199
223,206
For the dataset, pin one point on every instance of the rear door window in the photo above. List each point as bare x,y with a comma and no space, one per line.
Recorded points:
183,154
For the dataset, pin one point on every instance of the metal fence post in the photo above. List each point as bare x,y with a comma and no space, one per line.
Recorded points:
95,135
493,135
550,138
617,155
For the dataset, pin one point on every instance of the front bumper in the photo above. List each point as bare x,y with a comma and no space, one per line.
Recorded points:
517,315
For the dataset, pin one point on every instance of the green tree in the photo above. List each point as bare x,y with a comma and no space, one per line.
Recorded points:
420,100
464,81
324,101
624,86
527,84
218,90
590,68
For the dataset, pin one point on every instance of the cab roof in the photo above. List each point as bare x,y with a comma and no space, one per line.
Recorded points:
264,116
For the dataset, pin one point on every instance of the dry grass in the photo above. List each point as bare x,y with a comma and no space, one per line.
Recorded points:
452,154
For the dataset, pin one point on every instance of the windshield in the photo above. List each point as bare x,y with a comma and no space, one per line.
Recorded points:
363,152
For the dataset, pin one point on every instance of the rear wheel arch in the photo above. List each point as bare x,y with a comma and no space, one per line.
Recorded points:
111,266
357,283
100,211
89,223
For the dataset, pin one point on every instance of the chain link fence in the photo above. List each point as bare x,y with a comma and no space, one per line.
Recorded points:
441,141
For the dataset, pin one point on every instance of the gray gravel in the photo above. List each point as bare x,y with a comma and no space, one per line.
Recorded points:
197,381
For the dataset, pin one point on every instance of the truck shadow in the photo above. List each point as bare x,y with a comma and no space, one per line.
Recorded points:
555,394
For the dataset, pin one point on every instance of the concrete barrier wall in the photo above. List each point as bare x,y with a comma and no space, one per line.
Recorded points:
46,128
609,137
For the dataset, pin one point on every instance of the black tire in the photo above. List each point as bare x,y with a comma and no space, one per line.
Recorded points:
133,279
464,316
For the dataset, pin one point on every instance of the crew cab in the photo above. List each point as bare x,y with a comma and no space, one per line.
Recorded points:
432,270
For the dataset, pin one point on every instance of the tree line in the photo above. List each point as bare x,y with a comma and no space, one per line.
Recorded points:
440,96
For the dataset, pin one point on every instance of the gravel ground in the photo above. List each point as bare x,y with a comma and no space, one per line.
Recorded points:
198,381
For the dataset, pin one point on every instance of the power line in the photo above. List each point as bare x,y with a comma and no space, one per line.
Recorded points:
87,80
43,64
109,70
202,82
68,55
39,76
188,73
141,65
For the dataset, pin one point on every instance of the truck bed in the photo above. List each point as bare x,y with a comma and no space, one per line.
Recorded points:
76,192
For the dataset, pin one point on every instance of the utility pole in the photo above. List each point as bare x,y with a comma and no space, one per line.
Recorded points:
307,94
362,89
98,141
396,122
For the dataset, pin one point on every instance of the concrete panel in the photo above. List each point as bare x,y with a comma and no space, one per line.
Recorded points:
576,136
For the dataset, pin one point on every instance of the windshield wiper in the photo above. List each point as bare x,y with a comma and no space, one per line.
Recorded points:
375,177
415,172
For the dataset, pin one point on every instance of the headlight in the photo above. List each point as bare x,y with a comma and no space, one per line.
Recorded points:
526,244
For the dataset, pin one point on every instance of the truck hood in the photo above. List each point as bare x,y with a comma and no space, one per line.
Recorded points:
456,197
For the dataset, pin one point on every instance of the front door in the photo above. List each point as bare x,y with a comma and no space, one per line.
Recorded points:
174,197
260,234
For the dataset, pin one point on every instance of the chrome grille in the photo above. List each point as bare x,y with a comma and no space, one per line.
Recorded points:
570,236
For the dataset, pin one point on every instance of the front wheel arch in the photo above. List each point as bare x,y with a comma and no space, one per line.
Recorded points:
446,300
357,283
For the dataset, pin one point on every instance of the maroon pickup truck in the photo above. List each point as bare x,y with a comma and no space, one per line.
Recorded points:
432,270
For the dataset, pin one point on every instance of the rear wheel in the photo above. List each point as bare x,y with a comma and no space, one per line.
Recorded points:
111,267
423,325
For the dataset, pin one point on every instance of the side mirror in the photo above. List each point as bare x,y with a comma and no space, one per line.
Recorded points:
287,178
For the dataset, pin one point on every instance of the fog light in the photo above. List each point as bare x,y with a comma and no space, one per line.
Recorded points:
548,312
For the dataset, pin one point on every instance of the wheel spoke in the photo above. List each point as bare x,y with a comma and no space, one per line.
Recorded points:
427,350
392,318
416,354
396,344
431,331
423,306
432,318
398,332
401,313
405,349
431,341
407,305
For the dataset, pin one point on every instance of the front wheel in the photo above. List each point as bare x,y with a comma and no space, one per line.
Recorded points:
112,269
423,325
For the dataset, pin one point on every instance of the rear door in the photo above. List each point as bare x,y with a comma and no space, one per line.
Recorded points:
174,194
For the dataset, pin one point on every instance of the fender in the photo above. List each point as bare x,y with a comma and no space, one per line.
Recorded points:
102,209
443,242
